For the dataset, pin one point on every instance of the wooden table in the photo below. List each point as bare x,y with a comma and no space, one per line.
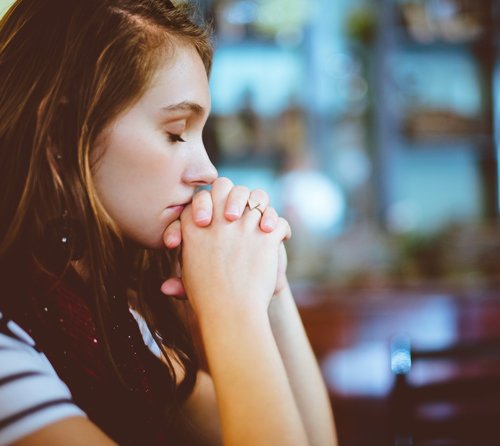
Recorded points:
351,333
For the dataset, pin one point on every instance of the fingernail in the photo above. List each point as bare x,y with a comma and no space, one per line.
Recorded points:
233,210
201,215
171,240
268,223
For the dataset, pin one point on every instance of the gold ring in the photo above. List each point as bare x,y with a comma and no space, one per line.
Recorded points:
256,207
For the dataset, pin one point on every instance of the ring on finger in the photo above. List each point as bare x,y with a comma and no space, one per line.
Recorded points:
255,206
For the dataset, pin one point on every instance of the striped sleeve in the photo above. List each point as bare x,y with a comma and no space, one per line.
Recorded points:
146,334
32,396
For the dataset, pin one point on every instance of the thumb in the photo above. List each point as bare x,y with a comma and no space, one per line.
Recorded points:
172,236
173,287
281,280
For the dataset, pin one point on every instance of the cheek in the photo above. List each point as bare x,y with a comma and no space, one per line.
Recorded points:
132,160
135,180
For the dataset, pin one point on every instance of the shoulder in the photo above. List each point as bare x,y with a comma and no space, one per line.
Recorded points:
32,396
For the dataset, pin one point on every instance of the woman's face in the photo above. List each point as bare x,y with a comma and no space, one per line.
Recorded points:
151,158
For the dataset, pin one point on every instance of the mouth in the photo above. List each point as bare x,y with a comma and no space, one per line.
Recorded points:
178,208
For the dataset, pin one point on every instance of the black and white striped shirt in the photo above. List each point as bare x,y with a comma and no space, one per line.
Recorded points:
31,393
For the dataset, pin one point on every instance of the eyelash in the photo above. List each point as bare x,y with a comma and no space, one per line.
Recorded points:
172,137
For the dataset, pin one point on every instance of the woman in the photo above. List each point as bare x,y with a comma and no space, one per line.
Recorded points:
102,107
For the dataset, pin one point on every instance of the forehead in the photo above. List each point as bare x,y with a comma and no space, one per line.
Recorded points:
181,77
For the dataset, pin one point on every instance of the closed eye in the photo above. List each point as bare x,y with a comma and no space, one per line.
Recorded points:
172,137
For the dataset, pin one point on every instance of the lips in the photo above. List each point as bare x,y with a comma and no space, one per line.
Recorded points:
178,208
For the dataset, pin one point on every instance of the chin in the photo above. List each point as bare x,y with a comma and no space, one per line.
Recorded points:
147,241
148,236
154,243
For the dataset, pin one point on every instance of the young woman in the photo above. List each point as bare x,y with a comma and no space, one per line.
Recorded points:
102,107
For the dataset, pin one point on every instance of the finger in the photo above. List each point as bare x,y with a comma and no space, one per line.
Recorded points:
269,220
172,236
202,208
283,230
283,258
173,287
256,206
187,217
236,202
282,264
221,188
258,199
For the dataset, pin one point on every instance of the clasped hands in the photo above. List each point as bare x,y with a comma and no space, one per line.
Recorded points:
232,241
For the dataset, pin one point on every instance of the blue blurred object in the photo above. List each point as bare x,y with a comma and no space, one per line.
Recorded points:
400,354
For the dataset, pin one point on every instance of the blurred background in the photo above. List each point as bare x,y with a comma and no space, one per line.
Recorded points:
373,125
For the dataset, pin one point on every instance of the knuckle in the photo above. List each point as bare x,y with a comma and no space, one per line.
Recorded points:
284,223
241,190
206,201
223,181
271,211
201,195
259,192
262,197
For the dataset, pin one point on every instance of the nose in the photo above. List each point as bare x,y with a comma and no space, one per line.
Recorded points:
200,171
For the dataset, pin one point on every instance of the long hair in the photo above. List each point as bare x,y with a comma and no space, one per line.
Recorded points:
67,69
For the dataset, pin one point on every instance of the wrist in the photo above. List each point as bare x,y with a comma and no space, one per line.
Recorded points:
282,308
283,289
228,316
283,293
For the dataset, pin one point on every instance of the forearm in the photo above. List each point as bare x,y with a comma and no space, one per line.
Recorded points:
255,401
302,368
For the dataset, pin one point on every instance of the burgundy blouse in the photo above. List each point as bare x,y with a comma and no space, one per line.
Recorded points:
61,319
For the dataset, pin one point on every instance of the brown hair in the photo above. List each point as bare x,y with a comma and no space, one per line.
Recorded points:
67,69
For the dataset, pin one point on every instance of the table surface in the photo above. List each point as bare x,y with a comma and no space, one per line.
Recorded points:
351,331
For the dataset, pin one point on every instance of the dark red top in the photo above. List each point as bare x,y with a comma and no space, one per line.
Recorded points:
61,319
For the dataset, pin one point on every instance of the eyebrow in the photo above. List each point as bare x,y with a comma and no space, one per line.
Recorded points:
185,106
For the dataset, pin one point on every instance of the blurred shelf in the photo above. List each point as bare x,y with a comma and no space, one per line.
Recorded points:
407,42
462,40
475,142
444,25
